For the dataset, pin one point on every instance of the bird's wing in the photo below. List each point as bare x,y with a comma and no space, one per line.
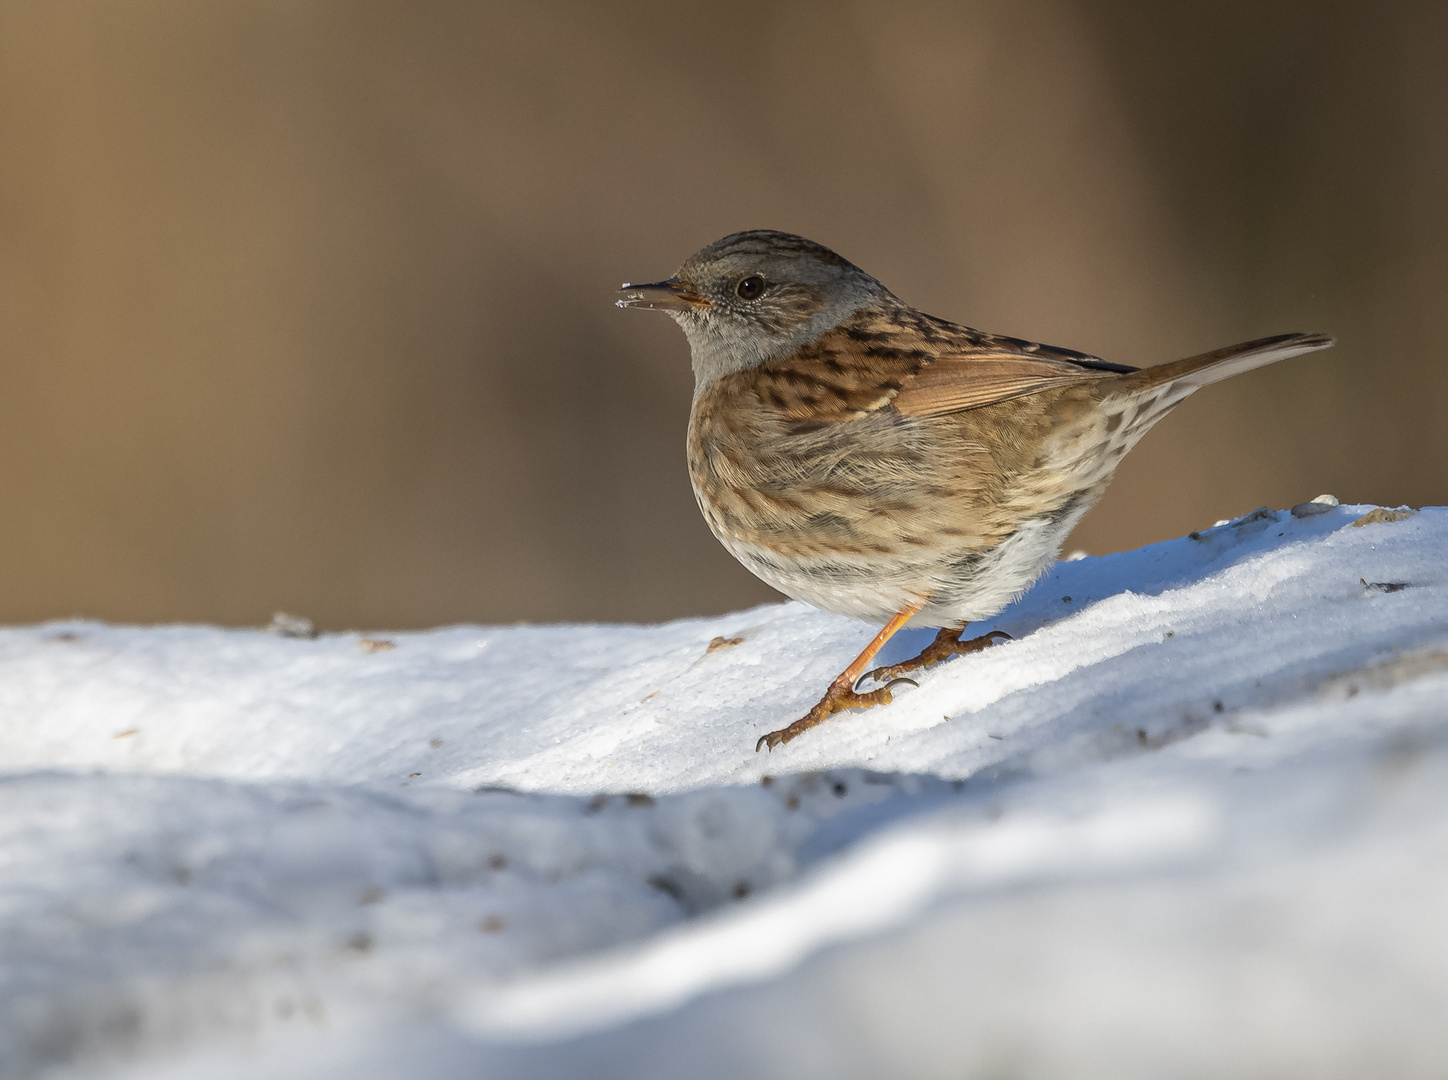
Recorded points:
917,364
982,369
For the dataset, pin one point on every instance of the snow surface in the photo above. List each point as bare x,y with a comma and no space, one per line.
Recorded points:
1192,821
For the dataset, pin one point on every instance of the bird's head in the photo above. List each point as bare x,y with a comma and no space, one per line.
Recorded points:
755,296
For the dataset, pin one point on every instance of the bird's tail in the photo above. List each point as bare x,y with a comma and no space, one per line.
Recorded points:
1181,377
1133,401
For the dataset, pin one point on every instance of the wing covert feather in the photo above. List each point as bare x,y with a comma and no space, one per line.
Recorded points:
917,364
956,383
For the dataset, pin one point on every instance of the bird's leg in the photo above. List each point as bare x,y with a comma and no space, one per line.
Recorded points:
946,643
841,694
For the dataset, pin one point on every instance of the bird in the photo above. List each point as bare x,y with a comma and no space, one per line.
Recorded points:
884,464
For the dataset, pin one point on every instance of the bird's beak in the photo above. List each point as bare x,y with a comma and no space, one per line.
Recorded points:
666,295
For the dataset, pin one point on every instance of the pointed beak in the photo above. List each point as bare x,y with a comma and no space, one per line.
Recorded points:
666,295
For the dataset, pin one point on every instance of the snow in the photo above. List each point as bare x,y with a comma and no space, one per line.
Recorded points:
1191,821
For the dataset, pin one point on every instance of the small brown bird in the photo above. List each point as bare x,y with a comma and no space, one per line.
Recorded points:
878,462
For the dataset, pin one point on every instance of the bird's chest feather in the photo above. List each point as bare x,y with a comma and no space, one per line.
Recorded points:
765,477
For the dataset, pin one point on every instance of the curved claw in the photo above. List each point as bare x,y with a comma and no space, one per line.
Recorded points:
896,681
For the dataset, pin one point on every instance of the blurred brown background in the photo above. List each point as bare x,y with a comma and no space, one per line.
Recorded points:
307,305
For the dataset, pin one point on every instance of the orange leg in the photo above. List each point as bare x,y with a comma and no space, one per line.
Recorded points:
841,694
946,643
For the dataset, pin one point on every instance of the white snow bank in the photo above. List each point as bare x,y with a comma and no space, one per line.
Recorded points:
1192,821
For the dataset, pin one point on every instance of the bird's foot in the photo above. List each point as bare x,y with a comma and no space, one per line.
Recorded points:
840,695
946,643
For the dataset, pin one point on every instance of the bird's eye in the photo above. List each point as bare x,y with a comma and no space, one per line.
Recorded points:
750,287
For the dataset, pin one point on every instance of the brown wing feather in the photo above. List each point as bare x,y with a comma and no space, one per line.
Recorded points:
921,365
956,383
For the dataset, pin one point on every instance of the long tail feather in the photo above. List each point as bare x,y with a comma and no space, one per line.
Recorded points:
1184,376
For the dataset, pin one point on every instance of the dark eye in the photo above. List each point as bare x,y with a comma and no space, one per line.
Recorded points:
749,287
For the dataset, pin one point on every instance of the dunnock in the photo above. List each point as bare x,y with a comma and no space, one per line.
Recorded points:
878,462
